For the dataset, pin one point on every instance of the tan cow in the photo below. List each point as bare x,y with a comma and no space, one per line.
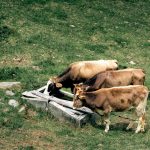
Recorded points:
79,72
113,78
115,99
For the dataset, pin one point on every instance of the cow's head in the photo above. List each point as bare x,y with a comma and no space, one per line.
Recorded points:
80,87
78,97
56,83
138,81
112,64
53,86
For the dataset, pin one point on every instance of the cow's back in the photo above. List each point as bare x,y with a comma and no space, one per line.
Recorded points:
87,69
125,77
125,96
118,98
118,78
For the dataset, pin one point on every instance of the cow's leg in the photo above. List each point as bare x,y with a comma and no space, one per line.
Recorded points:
140,110
141,121
107,109
138,129
100,113
130,125
141,124
107,122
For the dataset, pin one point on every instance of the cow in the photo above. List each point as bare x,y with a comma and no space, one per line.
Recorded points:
113,78
115,99
79,72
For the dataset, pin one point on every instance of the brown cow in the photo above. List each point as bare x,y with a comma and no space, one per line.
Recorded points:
115,99
78,72
113,78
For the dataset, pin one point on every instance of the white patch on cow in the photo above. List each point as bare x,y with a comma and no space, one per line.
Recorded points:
46,89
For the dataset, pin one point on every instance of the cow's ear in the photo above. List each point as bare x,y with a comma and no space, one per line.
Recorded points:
58,85
76,85
54,79
50,79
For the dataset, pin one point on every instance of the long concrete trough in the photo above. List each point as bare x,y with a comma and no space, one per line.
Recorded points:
59,108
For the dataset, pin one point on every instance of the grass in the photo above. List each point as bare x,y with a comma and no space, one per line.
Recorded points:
39,38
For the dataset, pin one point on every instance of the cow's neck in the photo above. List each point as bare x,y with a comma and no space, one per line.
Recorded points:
95,99
90,99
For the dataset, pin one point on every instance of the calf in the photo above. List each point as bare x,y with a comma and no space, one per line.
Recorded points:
113,78
115,99
79,72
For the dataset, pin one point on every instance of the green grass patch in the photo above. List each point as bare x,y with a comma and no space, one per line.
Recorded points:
97,48
5,32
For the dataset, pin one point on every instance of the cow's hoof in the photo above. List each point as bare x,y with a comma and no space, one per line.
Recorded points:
137,131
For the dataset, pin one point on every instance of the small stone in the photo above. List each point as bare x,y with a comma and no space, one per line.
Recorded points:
9,93
132,62
78,55
21,109
13,102
37,68
126,22
72,26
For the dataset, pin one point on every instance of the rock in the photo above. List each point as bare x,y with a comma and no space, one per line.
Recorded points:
13,102
132,62
9,85
73,26
9,93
